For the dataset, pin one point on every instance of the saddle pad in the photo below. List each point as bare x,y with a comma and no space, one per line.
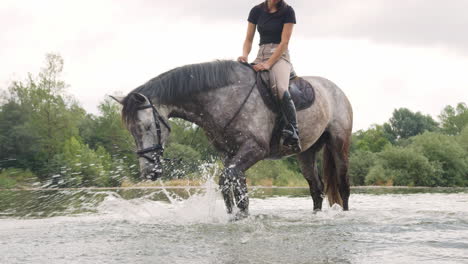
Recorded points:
301,91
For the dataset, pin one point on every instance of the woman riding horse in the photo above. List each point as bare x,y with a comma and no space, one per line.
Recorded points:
220,97
275,21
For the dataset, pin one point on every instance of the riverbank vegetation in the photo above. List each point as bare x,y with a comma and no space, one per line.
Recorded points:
48,140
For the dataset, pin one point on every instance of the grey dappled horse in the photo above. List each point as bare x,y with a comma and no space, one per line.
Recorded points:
219,97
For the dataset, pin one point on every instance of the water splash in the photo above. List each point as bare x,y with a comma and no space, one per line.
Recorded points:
204,206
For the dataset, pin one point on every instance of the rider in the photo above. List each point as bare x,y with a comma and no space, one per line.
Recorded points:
275,20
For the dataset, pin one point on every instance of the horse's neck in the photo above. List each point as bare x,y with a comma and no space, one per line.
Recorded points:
189,111
203,109
186,113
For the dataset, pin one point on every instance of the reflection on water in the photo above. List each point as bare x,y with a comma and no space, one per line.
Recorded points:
385,225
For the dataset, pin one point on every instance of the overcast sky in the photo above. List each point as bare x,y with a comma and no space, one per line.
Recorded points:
383,54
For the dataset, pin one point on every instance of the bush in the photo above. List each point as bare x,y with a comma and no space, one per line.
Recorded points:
78,165
463,140
360,163
277,173
444,151
184,161
373,139
16,178
6,182
403,167
378,176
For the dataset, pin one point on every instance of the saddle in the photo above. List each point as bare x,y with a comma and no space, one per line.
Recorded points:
303,96
302,92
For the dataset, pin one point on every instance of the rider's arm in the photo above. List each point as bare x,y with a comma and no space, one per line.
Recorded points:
248,42
283,46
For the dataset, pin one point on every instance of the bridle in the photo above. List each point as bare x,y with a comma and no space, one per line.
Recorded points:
157,148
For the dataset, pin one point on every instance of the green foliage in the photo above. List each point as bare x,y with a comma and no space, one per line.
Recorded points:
403,166
360,163
179,151
16,178
6,182
47,117
444,151
374,139
404,124
45,132
17,144
184,160
463,139
454,119
186,133
378,176
277,173
107,131
78,165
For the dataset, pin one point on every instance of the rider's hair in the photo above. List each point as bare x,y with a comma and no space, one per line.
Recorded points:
280,5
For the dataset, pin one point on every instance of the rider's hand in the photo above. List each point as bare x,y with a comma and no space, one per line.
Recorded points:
264,66
242,59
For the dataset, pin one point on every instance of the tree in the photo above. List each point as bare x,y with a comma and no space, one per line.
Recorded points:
446,152
373,139
52,117
16,178
106,130
463,139
77,165
405,124
183,160
454,119
186,133
403,166
17,144
360,163
274,172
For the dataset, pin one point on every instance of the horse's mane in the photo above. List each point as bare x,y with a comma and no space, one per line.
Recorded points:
180,83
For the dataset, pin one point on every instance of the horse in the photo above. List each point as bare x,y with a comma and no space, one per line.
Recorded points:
218,97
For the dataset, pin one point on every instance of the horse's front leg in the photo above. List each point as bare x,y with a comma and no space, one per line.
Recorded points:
233,182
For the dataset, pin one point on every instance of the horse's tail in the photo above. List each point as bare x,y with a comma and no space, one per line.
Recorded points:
330,173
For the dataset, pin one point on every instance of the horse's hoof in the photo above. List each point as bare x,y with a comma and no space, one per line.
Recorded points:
239,216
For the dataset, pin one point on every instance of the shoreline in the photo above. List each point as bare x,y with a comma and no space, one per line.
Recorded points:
205,187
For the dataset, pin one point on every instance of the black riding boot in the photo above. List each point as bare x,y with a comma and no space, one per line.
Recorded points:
290,132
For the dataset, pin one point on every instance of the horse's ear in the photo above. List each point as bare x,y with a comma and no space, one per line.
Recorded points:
119,99
140,97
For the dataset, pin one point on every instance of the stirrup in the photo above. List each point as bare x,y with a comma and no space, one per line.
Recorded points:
291,139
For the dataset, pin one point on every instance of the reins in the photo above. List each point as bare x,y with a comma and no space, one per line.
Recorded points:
243,103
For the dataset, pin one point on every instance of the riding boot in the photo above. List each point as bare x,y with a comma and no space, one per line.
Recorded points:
290,132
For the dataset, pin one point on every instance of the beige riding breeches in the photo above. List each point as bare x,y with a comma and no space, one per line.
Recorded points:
280,71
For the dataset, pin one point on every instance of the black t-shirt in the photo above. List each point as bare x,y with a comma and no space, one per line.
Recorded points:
270,25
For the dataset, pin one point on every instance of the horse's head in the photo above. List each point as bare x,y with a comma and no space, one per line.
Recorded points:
150,130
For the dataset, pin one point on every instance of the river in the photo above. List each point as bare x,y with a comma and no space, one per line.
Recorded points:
384,225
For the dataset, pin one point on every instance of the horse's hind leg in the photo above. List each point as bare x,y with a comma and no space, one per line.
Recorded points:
233,179
307,161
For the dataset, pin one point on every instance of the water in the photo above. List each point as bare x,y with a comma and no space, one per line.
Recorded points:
190,226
